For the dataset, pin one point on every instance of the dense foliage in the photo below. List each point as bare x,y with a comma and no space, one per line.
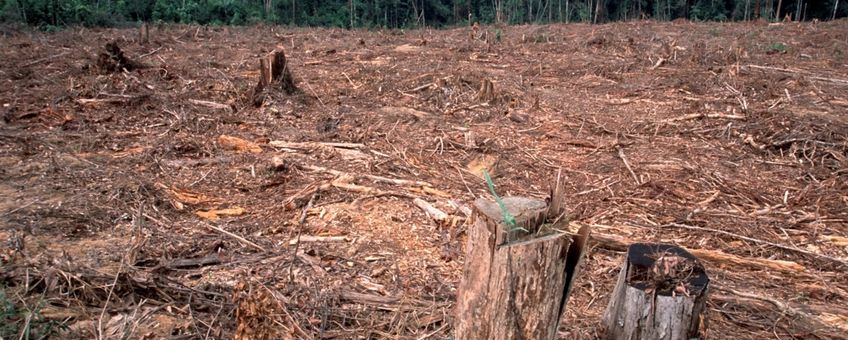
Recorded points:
401,13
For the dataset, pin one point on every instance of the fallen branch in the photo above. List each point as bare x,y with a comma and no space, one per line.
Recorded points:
783,307
428,85
750,239
234,236
386,301
300,198
375,178
301,224
149,53
309,238
436,214
382,194
41,60
754,263
114,99
627,164
311,145
102,100
659,63
809,74
704,115
616,243
195,262
209,104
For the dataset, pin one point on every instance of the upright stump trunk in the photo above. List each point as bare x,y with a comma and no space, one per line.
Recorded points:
143,33
273,69
660,294
516,282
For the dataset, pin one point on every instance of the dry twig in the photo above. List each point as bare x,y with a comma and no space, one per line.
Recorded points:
234,236
627,164
750,239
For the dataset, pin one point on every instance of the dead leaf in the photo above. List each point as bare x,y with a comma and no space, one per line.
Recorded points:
215,213
238,144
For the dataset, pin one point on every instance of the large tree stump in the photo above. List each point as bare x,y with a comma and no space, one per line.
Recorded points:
273,69
660,294
516,282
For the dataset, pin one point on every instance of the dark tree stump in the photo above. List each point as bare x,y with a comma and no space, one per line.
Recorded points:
516,282
660,294
273,69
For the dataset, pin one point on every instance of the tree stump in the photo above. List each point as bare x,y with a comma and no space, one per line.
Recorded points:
660,294
273,69
487,91
143,33
516,282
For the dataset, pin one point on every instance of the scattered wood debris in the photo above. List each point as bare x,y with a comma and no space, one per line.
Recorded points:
114,60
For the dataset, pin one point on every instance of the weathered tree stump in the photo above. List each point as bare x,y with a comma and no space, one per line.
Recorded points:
143,34
487,91
516,282
660,294
273,69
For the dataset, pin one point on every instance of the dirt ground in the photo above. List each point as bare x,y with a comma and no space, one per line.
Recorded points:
728,139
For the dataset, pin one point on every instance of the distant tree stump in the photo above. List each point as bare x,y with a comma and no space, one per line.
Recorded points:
143,34
487,91
273,69
516,282
660,294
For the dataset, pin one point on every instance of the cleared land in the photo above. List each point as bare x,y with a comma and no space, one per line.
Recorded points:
728,139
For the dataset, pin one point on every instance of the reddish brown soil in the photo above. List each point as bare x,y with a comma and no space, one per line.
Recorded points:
99,197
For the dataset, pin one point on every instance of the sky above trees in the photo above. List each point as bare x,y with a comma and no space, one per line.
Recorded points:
403,13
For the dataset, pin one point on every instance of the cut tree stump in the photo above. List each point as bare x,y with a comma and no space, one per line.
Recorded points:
516,282
660,294
486,92
143,34
273,69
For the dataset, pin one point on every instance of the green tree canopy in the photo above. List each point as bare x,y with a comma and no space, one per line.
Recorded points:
400,13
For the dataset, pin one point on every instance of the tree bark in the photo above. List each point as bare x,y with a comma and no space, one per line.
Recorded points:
516,282
777,13
660,294
835,5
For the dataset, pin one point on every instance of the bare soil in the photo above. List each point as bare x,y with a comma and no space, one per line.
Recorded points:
728,138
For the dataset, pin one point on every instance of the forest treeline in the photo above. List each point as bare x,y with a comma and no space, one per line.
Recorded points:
403,13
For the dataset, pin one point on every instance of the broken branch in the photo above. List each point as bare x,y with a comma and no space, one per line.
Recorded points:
750,239
234,236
